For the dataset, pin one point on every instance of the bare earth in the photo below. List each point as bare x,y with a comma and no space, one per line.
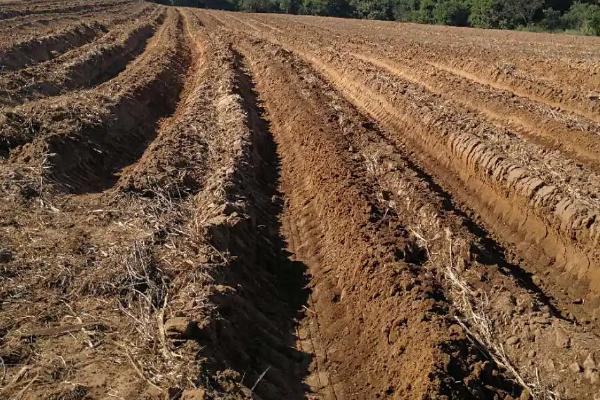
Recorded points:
209,205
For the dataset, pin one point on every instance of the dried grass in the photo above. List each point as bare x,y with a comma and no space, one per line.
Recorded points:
156,262
472,315
447,254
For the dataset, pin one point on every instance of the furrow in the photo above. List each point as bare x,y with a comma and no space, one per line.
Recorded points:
533,209
112,124
366,283
212,261
574,137
531,76
37,49
176,161
23,25
201,204
252,293
560,62
20,26
34,47
563,205
457,252
569,215
521,84
45,8
84,66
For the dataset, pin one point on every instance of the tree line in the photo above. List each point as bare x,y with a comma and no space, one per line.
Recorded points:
581,16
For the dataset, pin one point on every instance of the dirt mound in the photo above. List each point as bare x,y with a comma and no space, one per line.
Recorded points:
83,66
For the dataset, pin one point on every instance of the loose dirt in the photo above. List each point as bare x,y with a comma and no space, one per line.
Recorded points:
209,205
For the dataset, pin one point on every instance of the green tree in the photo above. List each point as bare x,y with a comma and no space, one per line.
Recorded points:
185,3
289,6
451,12
405,10
551,20
339,8
425,12
582,17
374,9
595,23
521,12
259,6
220,4
332,8
504,13
482,14
558,5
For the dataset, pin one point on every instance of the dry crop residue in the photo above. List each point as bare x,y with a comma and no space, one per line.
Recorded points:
210,205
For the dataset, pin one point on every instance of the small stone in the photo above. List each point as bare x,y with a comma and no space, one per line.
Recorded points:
193,394
531,354
575,367
578,301
506,303
546,310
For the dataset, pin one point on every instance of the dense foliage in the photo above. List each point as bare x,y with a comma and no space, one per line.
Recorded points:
554,15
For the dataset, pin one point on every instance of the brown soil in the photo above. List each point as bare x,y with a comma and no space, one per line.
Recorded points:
83,66
33,46
45,7
20,26
210,205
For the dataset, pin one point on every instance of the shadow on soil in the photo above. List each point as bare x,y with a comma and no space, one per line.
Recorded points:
256,334
91,158
490,252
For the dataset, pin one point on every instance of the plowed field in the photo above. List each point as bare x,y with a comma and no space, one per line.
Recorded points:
209,205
